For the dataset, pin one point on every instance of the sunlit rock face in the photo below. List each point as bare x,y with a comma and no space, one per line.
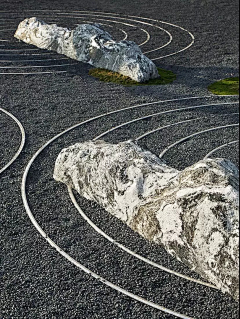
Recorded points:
90,44
192,213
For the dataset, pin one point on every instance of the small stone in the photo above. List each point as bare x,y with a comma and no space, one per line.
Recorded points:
192,213
90,44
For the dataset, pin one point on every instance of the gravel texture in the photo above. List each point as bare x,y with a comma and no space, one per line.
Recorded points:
36,281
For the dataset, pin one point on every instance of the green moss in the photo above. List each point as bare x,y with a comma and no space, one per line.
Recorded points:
228,86
166,77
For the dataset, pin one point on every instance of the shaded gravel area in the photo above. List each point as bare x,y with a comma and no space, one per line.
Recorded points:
36,282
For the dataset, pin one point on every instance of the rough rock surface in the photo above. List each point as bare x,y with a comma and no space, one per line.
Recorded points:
193,213
88,43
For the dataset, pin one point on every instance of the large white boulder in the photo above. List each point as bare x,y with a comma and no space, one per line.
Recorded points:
89,44
192,213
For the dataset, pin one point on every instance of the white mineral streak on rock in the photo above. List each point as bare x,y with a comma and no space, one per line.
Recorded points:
193,213
88,43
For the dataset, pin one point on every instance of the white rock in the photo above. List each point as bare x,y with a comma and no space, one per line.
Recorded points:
193,213
89,44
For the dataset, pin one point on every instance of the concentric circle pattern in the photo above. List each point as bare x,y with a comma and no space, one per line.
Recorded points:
178,119
180,130
158,39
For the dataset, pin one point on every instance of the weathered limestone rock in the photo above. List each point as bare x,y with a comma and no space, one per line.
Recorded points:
89,44
192,213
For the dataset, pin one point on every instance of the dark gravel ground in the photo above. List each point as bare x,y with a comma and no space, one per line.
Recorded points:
36,281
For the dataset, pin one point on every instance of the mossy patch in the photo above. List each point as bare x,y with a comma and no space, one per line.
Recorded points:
166,77
228,86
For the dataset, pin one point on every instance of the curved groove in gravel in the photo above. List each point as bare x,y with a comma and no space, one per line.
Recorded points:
220,147
177,123
22,140
194,135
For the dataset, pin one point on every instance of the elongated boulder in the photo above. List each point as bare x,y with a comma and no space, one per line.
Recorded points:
192,213
88,43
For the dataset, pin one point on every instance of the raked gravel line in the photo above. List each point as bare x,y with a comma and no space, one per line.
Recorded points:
220,147
175,124
194,135
22,140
